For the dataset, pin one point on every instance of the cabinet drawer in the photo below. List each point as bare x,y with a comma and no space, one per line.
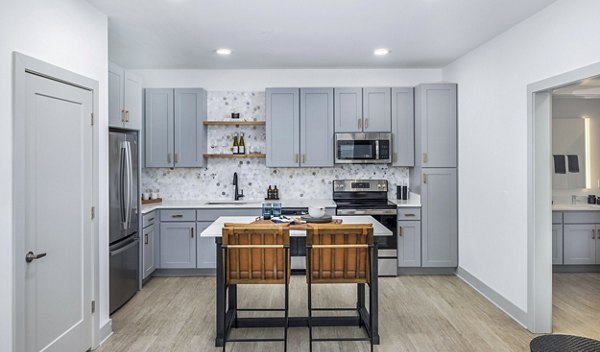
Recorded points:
557,217
148,219
581,217
405,214
178,215
213,214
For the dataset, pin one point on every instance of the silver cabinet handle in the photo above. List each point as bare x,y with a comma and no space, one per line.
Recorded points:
30,256
168,158
425,178
146,238
122,115
425,158
409,215
176,158
593,234
303,158
192,232
366,123
401,231
127,115
177,216
359,123
296,157
151,219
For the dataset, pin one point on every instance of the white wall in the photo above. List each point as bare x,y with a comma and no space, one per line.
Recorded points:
492,85
73,35
251,80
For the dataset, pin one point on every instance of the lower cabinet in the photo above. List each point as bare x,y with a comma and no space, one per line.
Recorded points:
149,237
409,243
178,245
557,244
205,248
580,244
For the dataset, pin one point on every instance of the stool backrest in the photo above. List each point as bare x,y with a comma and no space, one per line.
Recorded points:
339,253
256,254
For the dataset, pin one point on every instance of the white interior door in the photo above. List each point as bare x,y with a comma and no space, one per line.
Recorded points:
58,200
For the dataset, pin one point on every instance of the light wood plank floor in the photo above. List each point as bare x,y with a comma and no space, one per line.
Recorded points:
417,313
576,304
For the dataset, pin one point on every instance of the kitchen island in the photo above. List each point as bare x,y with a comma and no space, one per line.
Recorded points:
227,311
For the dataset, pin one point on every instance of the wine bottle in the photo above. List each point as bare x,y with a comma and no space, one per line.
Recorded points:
242,145
236,148
270,193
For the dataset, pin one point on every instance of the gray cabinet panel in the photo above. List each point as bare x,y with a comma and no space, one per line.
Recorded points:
132,101
190,132
115,95
213,214
205,248
316,127
557,244
377,112
283,127
409,243
579,244
158,128
149,248
439,218
581,217
436,108
557,217
348,109
149,219
177,245
403,126
409,214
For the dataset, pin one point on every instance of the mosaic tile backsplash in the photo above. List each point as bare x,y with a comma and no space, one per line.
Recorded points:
215,180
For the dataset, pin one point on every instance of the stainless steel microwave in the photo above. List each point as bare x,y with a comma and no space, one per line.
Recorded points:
363,148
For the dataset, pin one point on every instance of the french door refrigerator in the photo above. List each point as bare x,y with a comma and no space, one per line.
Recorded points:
123,216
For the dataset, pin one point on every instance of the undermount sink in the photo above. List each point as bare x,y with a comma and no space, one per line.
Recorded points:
232,202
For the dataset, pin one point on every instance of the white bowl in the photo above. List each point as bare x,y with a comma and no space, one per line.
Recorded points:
316,211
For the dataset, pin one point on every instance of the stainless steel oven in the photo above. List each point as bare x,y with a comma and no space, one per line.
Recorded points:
363,148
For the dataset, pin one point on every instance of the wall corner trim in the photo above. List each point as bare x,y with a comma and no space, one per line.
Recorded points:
104,333
516,313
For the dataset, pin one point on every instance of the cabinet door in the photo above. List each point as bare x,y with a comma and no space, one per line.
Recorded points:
205,248
190,132
557,244
409,243
403,126
177,245
158,128
316,127
579,244
439,218
148,249
283,127
348,109
115,95
132,101
377,110
436,109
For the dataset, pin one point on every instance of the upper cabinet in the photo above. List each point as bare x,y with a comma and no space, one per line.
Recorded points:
124,98
436,113
175,135
403,127
299,127
363,110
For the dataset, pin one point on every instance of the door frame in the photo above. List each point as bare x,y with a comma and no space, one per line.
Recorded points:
539,194
23,65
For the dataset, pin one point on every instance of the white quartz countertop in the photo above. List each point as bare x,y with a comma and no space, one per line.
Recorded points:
414,201
575,207
230,204
214,229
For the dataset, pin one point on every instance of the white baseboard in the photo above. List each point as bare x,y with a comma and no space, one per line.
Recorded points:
516,313
105,332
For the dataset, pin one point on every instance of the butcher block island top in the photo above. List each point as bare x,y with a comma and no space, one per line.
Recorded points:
215,229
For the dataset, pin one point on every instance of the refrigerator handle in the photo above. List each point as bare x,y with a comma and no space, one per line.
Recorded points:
129,183
122,167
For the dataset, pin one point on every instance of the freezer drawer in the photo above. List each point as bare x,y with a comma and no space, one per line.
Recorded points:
124,271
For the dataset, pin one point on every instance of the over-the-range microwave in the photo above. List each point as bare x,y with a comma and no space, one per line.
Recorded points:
363,148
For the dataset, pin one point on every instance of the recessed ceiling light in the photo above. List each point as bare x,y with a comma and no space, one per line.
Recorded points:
381,52
223,51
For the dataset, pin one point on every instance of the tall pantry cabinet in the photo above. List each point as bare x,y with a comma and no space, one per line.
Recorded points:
435,173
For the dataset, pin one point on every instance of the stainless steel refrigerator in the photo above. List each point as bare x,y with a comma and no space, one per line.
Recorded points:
123,216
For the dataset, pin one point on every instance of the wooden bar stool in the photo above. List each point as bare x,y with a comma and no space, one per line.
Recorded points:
256,254
339,254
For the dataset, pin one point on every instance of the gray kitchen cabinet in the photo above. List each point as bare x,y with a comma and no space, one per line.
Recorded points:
439,217
403,127
409,243
159,128
316,127
205,248
377,110
436,114
348,109
124,98
557,244
580,243
283,127
175,135
177,245
149,237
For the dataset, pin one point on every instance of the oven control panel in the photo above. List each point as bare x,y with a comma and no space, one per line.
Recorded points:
360,185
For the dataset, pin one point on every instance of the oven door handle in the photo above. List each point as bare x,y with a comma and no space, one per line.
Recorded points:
366,212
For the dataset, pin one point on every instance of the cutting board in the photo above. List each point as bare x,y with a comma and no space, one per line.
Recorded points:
293,227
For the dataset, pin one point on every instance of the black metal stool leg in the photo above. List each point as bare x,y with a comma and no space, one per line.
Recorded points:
309,276
287,321
225,332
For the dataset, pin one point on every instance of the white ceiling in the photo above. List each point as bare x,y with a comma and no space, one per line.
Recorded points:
304,33
587,89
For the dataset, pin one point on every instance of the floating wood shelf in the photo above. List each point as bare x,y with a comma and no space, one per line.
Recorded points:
234,123
253,155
